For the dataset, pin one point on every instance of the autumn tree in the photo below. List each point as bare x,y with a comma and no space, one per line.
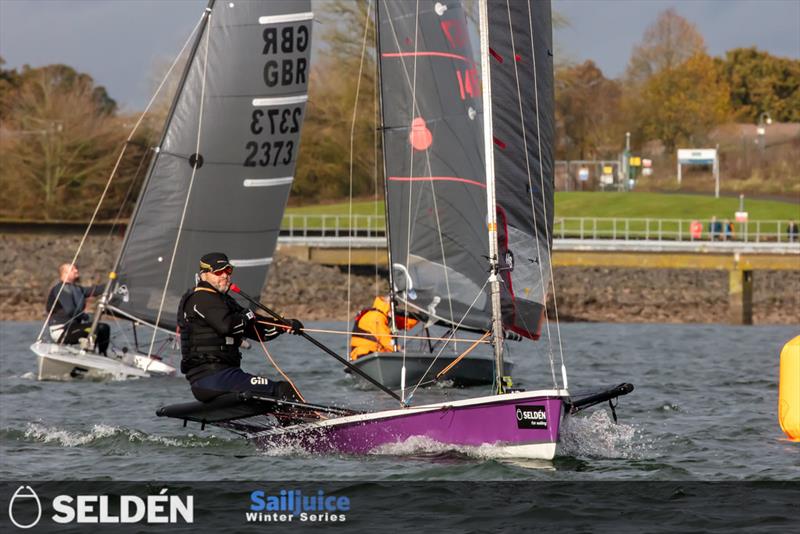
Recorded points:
761,82
587,110
683,102
667,43
323,170
60,141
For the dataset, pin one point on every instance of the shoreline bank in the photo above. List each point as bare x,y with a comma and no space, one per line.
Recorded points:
317,292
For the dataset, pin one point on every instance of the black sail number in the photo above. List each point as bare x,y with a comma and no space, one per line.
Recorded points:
268,153
274,121
280,120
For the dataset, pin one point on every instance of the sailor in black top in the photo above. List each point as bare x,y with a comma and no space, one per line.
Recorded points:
212,326
66,304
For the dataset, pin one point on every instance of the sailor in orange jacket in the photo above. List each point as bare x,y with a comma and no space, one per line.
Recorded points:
371,331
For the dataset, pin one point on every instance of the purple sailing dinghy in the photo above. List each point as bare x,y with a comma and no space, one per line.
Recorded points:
468,133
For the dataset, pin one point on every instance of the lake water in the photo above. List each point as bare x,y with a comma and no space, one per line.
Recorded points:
704,409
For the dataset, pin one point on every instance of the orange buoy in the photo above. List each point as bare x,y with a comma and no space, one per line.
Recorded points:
789,390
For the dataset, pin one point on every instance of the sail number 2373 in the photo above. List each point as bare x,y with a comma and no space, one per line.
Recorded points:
272,121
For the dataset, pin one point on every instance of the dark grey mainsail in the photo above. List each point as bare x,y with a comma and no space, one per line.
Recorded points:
433,157
520,46
227,157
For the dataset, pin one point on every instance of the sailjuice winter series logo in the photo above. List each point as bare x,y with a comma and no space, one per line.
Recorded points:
291,505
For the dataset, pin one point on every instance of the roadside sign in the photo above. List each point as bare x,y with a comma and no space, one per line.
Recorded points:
647,163
697,156
635,161
608,169
741,216
583,174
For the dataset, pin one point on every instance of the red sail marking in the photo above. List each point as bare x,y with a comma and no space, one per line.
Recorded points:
420,136
495,55
455,32
499,143
435,54
518,57
435,179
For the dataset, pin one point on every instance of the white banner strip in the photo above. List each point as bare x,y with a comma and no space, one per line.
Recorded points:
282,19
268,182
255,262
280,101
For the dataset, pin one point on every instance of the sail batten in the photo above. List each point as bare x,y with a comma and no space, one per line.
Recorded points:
279,101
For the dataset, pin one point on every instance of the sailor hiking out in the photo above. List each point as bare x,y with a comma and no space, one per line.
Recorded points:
69,322
212,326
371,330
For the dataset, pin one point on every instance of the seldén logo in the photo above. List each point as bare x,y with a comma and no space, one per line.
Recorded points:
24,498
119,509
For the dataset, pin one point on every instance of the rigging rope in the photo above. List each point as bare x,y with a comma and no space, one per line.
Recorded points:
480,292
541,182
411,81
376,121
277,367
114,171
530,189
462,356
191,182
352,142
350,332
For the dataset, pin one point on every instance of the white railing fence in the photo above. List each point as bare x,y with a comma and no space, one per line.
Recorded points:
588,228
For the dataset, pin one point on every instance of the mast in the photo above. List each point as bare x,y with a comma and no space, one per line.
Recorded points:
491,212
103,300
392,310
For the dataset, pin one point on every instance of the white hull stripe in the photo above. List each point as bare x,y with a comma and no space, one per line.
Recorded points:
291,17
255,262
268,182
279,101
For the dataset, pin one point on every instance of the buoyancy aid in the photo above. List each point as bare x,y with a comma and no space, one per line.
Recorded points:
371,332
202,348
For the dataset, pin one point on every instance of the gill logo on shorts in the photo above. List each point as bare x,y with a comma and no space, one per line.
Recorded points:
30,494
259,381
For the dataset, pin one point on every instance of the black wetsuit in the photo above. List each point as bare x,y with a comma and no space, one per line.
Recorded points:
212,326
69,314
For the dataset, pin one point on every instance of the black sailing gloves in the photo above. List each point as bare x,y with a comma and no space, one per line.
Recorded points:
295,326
271,332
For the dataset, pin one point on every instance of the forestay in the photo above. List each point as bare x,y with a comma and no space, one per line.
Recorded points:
227,157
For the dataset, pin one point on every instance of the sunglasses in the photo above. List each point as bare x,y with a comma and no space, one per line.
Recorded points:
227,270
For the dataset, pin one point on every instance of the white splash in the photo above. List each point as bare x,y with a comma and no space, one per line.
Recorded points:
66,438
30,375
598,436
424,446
